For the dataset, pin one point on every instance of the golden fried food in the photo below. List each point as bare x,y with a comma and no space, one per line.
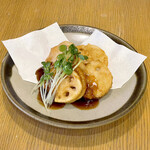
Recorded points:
98,76
83,81
55,51
94,53
72,88
91,80
98,79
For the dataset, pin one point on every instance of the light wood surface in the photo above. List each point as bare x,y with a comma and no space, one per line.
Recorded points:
130,20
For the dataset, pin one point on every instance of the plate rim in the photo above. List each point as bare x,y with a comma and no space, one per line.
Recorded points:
72,124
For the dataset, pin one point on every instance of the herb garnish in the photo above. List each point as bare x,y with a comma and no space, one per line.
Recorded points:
66,62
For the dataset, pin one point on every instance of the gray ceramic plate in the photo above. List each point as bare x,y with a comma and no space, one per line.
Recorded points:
111,107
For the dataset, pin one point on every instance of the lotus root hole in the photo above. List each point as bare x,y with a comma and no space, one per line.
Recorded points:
67,94
72,87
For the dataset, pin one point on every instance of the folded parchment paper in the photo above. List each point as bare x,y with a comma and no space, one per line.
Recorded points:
31,49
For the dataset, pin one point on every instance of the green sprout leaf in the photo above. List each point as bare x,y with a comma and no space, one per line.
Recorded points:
46,64
42,80
47,75
57,64
68,68
60,57
51,74
73,49
63,48
46,67
71,58
83,57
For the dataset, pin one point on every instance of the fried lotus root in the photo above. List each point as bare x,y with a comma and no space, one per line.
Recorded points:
94,53
83,81
72,88
55,51
98,79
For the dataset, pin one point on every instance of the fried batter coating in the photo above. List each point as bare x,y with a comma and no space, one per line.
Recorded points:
83,81
91,80
98,79
94,53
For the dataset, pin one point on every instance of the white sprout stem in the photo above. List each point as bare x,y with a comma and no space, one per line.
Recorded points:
77,65
38,85
59,84
54,84
58,72
49,97
45,89
42,96
41,93
35,87
51,78
54,92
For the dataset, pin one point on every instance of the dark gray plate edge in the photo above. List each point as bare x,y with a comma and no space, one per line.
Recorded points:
75,125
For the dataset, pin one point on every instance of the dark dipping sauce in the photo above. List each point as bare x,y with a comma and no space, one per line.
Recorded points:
53,106
83,104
